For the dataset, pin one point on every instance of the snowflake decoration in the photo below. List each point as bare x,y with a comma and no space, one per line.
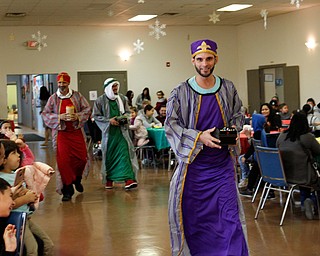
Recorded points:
138,46
40,40
157,30
214,17
140,1
296,2
264,15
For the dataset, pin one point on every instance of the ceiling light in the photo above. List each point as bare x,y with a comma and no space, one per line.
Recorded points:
311,44
142,17
234,7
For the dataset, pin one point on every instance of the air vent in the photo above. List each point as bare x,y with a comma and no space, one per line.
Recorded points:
169,14
15,14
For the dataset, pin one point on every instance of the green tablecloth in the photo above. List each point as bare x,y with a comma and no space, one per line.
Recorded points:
158,135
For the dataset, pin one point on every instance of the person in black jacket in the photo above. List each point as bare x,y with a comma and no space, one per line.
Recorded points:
295,145
273,120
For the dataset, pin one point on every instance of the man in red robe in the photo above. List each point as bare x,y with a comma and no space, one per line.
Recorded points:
66,113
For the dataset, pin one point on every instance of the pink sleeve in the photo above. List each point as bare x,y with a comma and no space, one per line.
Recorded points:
28,157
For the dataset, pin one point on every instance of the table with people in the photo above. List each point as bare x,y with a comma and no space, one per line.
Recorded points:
158,136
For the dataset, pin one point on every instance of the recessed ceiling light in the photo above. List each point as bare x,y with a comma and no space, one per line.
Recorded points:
142,17
234,7
15,14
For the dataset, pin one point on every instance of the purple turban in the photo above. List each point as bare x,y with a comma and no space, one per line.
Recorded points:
204,45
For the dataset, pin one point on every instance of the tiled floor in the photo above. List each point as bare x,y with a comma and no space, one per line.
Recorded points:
119,222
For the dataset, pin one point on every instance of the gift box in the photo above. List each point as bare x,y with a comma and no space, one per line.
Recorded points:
226,135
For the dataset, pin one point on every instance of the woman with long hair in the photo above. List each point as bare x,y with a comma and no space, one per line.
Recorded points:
145,95
273,120
294,145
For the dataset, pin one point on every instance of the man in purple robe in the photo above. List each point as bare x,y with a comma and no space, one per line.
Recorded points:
205,212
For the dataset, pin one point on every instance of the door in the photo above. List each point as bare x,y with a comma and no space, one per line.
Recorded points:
93,81
287,77
292,87
254,92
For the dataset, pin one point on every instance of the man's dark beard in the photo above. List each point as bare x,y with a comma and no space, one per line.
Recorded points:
199,72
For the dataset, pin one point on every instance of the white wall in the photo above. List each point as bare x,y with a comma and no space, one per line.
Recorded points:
249,46
74,49
283,42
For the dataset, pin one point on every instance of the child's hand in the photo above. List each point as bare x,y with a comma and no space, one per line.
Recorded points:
31,196
20,143
9,237
18,190
11,135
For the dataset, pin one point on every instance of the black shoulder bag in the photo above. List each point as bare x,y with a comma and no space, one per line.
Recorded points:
315,180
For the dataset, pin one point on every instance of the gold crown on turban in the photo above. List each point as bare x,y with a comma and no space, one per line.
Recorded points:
204,45
63,77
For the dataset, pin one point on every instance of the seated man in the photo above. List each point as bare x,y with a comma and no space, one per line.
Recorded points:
162,114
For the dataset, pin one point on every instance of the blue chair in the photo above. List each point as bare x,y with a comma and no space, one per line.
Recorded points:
255,144
272,173
18,219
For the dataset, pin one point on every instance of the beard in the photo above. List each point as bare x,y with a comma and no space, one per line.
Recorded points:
63,89
204,75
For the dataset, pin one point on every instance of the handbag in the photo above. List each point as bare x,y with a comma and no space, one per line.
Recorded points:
315,176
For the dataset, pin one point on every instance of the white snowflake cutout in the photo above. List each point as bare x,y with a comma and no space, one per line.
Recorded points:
214,17
138,46
264,15
140,1
40,40
157,30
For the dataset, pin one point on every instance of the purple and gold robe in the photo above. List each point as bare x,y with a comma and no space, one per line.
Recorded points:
205,212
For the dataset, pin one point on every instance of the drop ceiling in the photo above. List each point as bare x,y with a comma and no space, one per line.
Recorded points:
117,12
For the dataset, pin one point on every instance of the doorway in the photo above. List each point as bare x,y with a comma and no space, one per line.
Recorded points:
273,80
12,102
90,84
26,93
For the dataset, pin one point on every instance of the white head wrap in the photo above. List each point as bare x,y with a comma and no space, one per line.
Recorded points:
108,83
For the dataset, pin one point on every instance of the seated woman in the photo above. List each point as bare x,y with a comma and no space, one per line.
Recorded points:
273,120
162,101
293,144
148,119
250,178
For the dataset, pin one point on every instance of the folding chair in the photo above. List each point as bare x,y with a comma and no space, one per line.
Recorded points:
18,219
272,173
172,161
255,144
144,153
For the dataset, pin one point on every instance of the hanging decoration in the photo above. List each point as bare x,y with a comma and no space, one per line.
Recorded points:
264,15
138,46
157,29
140,1
296,2
214,17
40,40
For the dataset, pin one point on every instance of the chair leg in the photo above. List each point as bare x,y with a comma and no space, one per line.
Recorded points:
256,191
260,202
265,197
285,207
316,194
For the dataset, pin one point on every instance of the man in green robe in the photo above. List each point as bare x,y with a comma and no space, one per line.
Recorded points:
110,112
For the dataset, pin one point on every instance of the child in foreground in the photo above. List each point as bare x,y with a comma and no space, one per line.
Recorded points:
11,162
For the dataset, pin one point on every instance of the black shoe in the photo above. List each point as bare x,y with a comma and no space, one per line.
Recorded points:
79,187
247,193
66,198
78,184
271,195
309,209
67,192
